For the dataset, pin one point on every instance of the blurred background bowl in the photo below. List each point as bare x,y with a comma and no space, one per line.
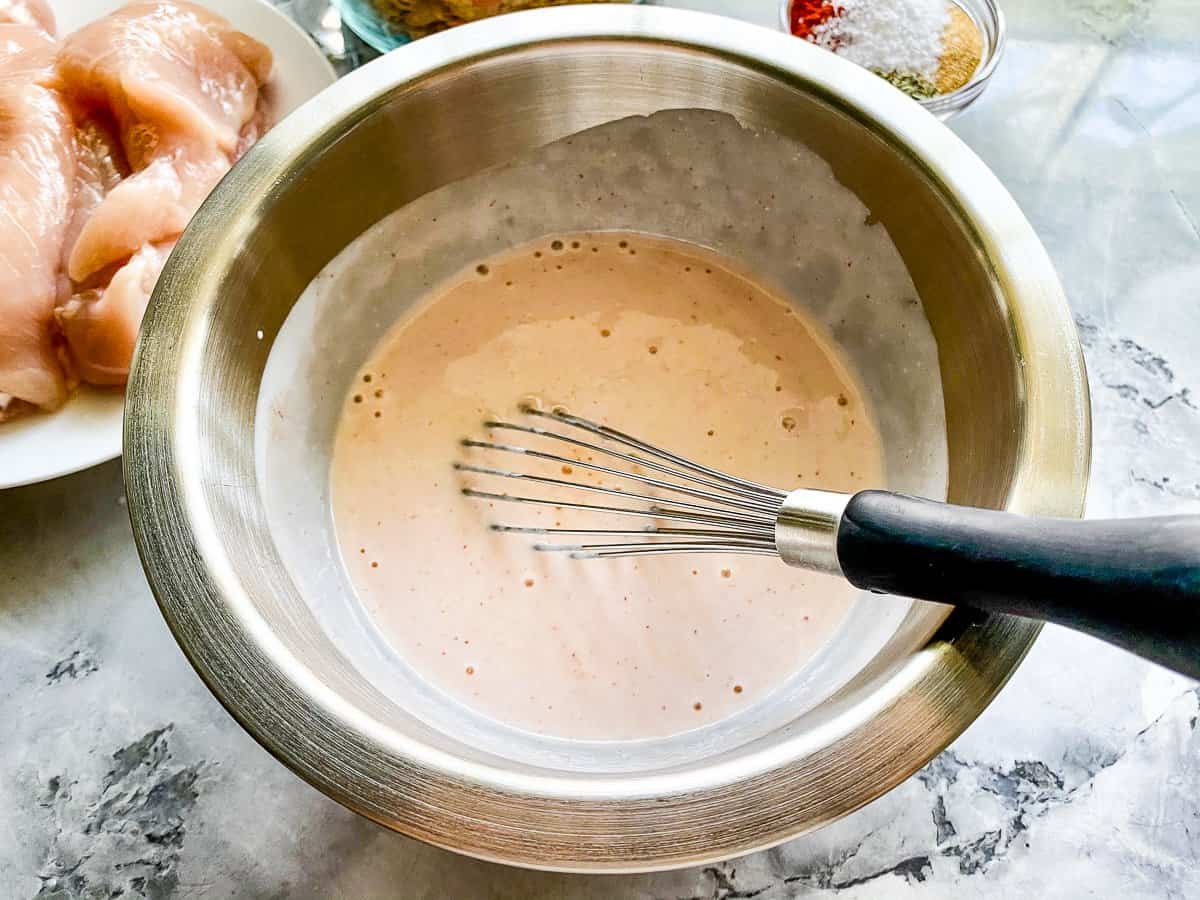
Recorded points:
383,31
989,19
1018,433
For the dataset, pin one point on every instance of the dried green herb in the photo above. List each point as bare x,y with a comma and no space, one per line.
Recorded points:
914,85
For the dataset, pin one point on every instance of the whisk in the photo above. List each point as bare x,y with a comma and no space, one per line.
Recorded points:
1132,582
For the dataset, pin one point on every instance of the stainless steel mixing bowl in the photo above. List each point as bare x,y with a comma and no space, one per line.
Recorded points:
446,107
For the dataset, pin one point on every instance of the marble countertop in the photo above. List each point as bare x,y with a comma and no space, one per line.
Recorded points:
120,775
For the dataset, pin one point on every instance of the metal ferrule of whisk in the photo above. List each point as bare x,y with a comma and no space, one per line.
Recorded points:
691,508
806,529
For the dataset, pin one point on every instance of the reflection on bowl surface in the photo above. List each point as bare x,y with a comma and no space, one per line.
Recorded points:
207,451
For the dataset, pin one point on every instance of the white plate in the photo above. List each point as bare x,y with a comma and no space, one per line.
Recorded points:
87,431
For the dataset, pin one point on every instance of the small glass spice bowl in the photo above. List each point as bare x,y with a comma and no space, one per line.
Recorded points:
989,19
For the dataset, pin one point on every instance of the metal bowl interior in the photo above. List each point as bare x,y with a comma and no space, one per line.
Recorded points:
447,107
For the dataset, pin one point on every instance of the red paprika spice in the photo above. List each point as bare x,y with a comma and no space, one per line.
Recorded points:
808,14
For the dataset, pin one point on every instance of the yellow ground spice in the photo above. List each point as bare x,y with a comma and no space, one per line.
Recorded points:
962,49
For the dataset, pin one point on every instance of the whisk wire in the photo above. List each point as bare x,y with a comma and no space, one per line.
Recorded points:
619,437
737,515
748,493
613,551
654,512
598,489
767,510
649,531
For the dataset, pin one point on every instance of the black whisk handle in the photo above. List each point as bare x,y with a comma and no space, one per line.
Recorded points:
1132,582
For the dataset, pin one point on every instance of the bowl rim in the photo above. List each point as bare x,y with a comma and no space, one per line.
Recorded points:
181,555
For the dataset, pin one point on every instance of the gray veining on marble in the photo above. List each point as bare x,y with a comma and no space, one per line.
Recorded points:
121,776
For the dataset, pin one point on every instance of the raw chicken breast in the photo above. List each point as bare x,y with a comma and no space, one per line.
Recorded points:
37,169
182,89
177,78
36,13
101,325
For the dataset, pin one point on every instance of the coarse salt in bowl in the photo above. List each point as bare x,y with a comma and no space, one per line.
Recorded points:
985,15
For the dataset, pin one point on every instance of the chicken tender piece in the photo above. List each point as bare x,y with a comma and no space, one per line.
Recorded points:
101,324
100,167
